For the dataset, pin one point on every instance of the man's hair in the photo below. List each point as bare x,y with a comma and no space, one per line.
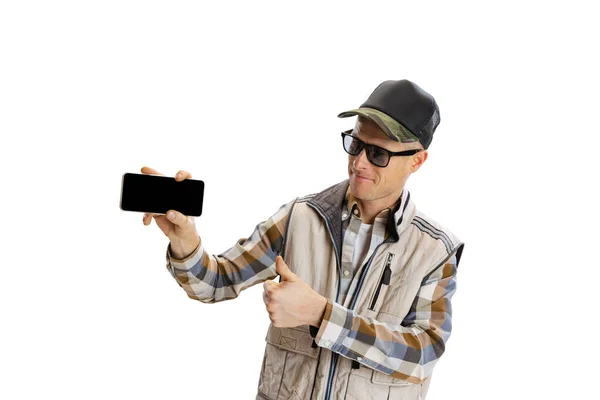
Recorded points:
362,119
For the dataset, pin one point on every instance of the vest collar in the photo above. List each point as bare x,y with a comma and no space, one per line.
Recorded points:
330,203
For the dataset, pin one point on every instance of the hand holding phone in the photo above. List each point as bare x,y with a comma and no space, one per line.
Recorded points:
181,229
154,193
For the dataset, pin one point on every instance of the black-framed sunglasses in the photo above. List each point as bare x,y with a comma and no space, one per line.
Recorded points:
378,156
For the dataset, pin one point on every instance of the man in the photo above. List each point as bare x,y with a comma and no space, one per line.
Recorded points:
362,309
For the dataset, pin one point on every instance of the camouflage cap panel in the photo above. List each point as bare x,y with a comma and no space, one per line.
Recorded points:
390,126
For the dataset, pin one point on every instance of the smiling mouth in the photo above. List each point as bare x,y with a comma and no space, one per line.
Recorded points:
361,177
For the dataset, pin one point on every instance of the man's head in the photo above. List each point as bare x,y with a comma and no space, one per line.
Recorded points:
398,116
404,112
380,185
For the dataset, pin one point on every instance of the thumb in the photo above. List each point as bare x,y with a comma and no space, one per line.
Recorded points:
178,218
284,271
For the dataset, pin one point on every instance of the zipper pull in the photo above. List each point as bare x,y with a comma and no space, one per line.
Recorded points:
387,272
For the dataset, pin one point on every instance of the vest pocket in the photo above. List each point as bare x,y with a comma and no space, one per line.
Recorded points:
361,387
399,388
379,378
295,339
368,384
383,283
290,363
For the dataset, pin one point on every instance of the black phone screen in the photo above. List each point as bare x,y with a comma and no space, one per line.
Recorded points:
158,194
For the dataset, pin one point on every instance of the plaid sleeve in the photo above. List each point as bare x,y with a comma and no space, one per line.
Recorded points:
210,279
407,351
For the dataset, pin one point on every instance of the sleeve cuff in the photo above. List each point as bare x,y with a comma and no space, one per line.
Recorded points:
335,327
186,263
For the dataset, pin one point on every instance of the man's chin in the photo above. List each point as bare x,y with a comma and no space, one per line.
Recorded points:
358,190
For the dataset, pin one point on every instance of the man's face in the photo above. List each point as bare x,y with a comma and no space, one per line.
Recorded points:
369,182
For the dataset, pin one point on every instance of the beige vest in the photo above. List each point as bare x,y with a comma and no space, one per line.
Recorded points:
292,368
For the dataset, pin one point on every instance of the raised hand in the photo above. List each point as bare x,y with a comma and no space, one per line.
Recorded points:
292,302
179,228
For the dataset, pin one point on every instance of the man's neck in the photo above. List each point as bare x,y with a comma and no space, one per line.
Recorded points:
370,209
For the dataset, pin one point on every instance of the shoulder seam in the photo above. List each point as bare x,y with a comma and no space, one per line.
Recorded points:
433,228
306,198
435,233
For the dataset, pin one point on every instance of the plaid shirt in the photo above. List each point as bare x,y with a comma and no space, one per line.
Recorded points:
407,351
351,226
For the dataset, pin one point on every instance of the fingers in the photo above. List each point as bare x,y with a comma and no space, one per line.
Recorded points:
179,219
267,293
151,171
269,288
269,285
163,223
181,175
147,219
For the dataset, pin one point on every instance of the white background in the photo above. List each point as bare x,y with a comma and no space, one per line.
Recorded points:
245,96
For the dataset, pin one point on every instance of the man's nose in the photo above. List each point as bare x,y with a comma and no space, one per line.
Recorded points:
361,161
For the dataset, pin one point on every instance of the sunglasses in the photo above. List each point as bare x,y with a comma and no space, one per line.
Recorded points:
378,156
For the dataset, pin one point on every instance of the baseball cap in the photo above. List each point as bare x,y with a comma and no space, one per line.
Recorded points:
404,112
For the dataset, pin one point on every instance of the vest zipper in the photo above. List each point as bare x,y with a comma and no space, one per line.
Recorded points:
334,356
364,273
385,280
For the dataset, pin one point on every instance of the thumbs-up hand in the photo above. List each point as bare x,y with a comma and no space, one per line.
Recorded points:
284,270
292,302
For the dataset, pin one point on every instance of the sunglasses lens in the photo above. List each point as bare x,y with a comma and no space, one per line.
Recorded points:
377,156
352,146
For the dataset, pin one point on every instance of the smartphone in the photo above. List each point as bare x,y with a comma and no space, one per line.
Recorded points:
159,194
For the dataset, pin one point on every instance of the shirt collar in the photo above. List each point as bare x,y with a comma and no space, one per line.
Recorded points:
351,207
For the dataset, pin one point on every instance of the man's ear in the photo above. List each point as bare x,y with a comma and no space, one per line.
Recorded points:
418,160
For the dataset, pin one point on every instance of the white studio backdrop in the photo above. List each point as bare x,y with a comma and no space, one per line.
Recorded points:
245,96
